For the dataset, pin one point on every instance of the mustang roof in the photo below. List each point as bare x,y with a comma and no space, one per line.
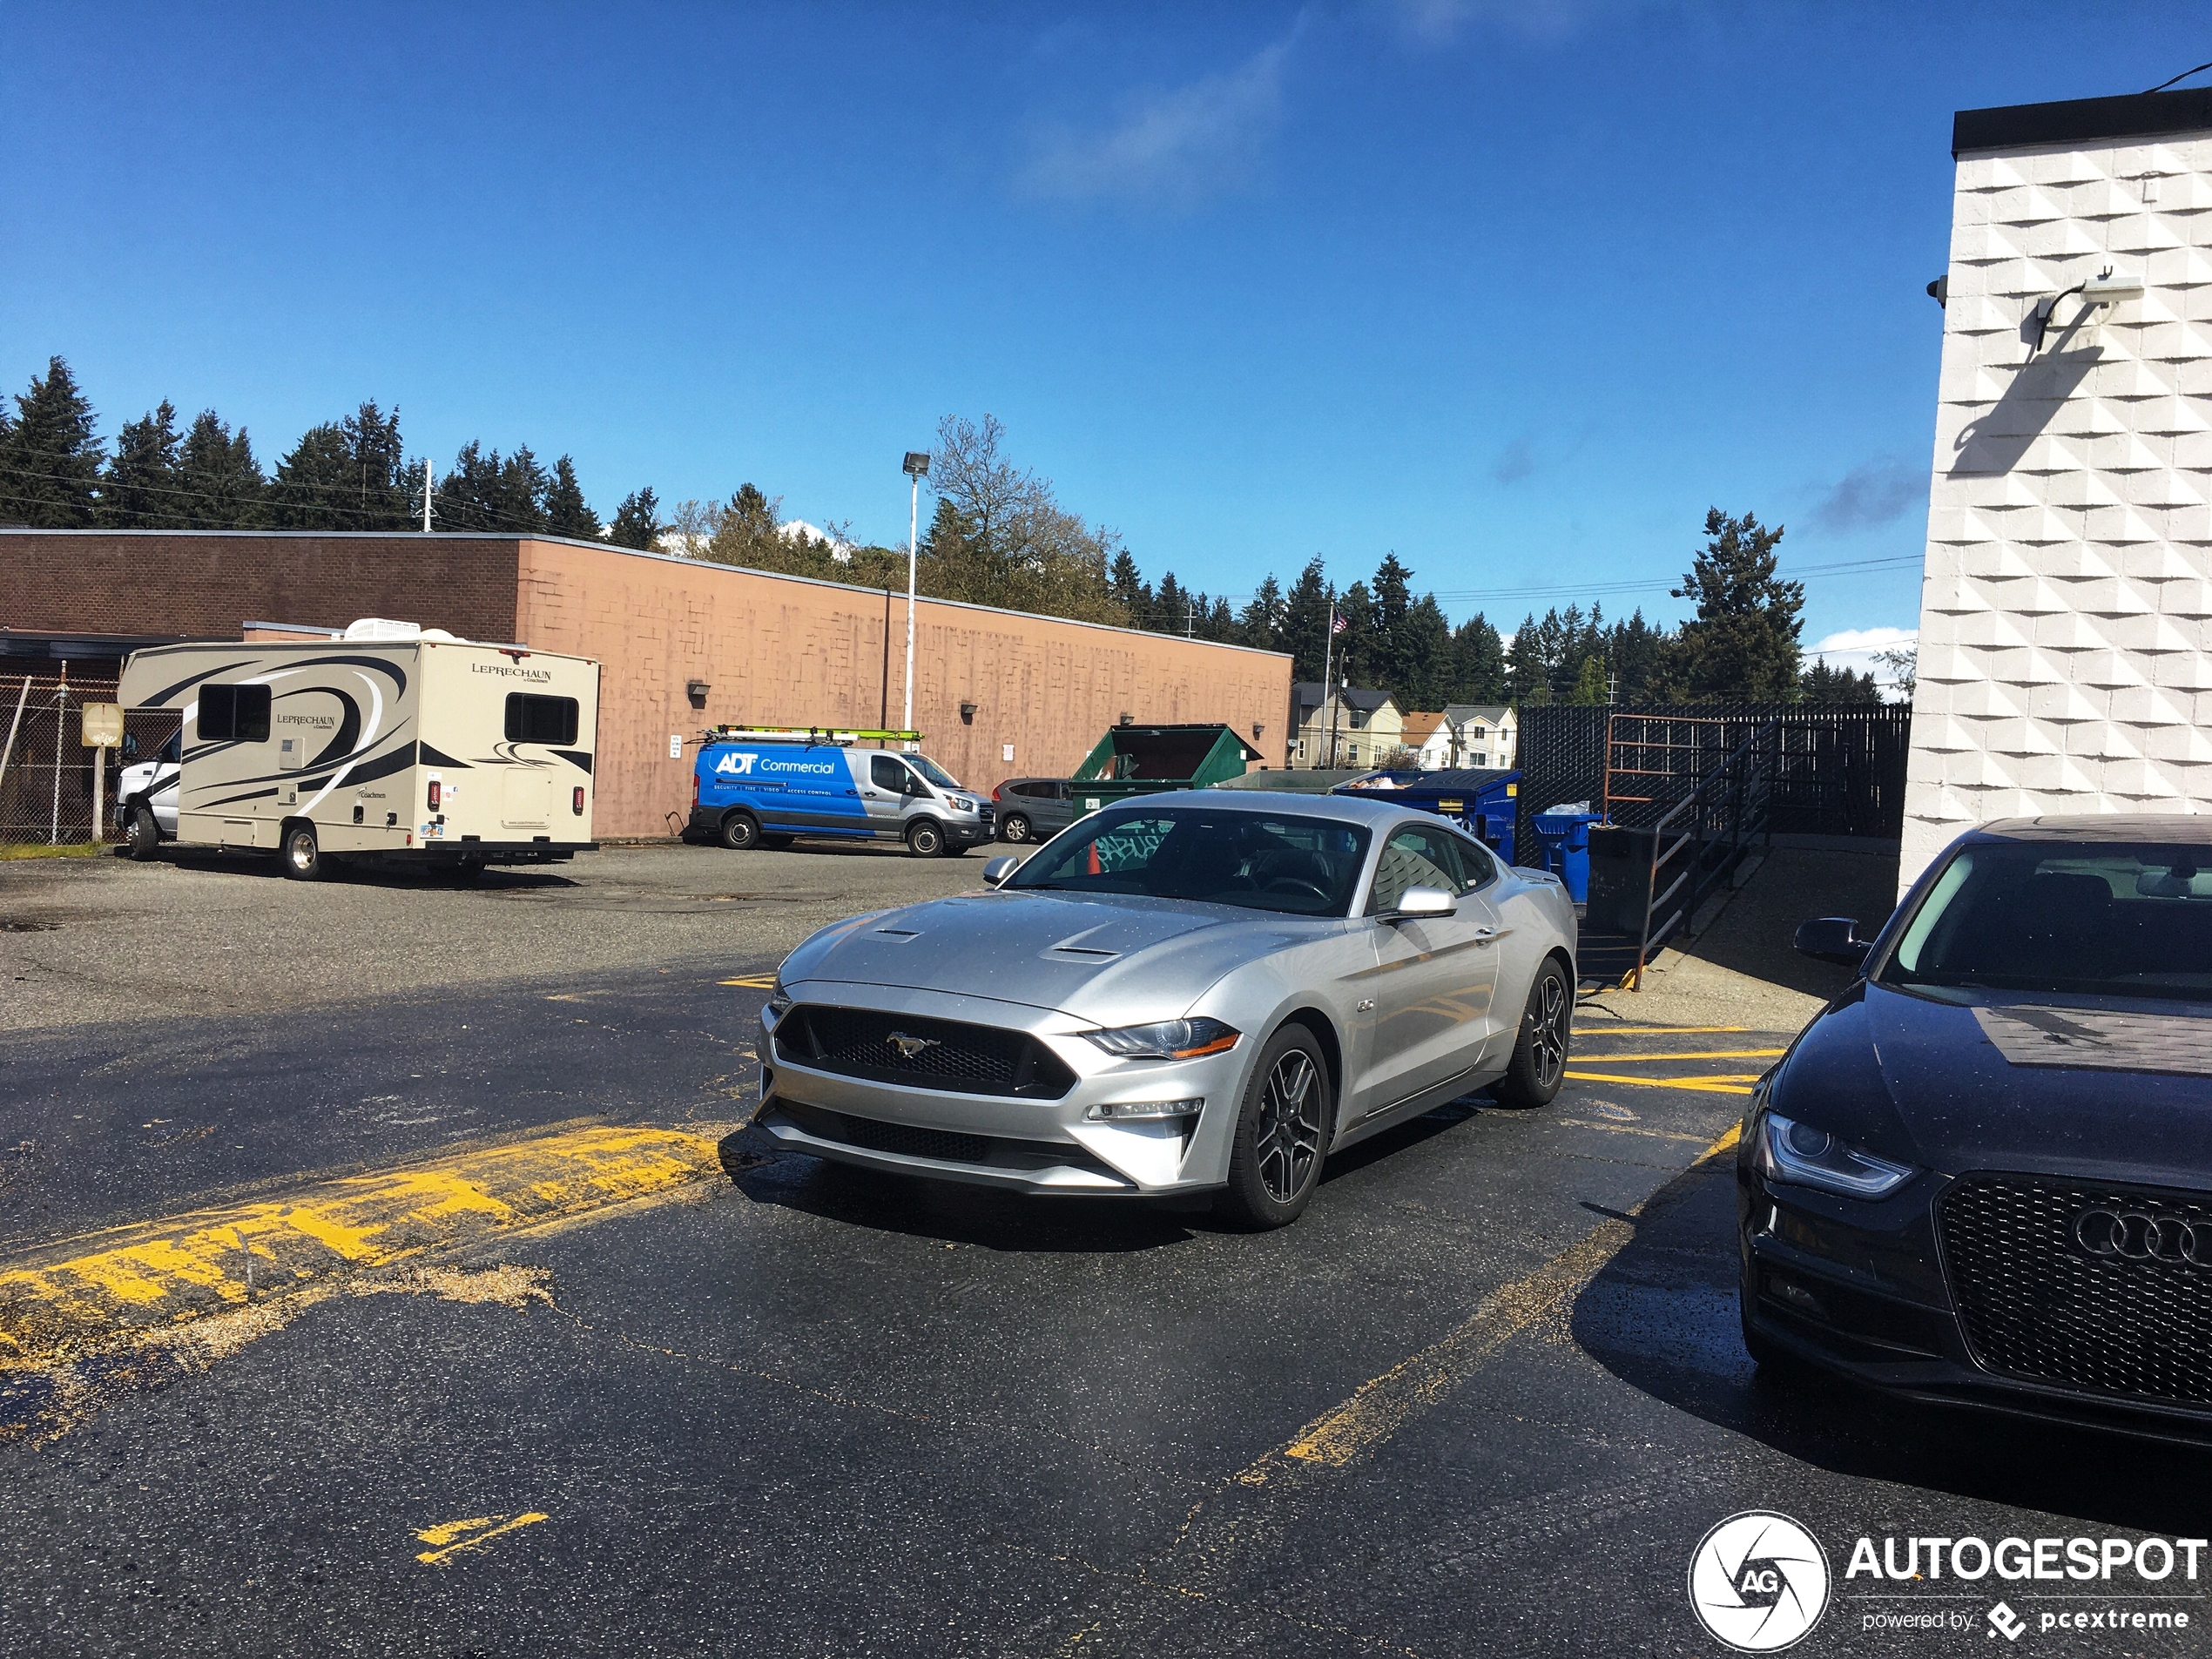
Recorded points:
2105,827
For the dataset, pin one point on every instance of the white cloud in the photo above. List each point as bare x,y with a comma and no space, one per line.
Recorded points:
1179,146
1854,648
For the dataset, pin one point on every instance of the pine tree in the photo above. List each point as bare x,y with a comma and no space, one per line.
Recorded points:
1260,624
1821,684
1589,684
1387,659
350,475
638,521
1129,589
1743,641
1172,608
566,512
1478,663
1527,674
1426,644
50,470
143,488
221,480
1305,630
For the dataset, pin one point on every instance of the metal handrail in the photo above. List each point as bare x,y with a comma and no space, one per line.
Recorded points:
1748,813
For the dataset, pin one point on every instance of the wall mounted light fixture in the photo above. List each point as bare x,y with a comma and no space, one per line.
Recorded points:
697,690
968,714
2102,289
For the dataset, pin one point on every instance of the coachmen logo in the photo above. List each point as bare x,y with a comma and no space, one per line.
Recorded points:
2141,1236
909,1046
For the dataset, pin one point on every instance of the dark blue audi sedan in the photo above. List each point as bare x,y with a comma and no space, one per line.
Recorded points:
1983,1174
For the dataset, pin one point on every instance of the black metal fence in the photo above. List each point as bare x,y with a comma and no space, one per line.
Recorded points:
1839,769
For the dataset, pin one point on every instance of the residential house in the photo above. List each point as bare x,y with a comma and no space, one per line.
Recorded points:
1353,726
1481,734
1429,739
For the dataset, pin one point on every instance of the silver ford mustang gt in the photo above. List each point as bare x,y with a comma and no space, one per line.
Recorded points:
1198,992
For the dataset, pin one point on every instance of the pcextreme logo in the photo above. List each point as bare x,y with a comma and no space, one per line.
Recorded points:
1758,1581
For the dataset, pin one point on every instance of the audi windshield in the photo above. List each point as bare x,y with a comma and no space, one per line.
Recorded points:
1302,867
2075,919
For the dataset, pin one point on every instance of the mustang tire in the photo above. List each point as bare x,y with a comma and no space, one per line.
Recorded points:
1282,1133
1539,1064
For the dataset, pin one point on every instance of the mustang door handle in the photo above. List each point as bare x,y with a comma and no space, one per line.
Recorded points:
1490,935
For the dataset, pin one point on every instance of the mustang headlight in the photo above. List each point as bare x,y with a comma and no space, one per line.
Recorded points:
778,999
1793,1152
1168,1040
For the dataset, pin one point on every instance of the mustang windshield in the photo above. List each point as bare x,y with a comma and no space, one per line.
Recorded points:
2095,919
1303,867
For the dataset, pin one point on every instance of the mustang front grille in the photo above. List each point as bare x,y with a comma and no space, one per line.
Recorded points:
932,1054
2101,1288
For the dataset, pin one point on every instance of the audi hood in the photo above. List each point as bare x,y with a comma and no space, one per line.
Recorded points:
1089,954
1922,1081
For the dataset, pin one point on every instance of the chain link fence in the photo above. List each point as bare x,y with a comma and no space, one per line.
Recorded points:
46,771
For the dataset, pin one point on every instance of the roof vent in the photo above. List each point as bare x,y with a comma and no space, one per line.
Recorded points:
381,628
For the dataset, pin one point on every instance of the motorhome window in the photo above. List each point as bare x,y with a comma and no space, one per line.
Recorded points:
234,714
540,719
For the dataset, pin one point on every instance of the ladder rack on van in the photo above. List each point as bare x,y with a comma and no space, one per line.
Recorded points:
804,734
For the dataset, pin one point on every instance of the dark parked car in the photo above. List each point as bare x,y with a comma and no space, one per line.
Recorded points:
1034,809
1983,1174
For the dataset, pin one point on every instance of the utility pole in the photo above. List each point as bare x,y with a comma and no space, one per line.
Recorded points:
916,468
426,495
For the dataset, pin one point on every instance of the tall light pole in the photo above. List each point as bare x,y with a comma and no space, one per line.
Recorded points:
916,468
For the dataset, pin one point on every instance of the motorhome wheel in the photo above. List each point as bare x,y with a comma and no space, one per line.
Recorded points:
302,856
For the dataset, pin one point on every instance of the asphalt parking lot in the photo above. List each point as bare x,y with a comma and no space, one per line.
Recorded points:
422,1293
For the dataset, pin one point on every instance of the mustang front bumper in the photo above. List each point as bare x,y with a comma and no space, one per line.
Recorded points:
1025,1143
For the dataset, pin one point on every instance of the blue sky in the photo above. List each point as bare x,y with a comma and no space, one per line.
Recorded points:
1517,290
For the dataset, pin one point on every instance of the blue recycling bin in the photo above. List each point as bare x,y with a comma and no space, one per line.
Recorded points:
1481,800
1566,836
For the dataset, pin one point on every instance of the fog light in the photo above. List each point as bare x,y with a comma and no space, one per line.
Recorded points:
1123,1112
1792,1295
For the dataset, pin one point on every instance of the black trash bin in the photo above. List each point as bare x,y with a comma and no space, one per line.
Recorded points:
1620,878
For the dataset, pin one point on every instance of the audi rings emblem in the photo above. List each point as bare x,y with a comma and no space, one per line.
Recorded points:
2139,1235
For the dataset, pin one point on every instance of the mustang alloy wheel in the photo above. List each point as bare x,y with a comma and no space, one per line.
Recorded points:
1282,1133
1539,1061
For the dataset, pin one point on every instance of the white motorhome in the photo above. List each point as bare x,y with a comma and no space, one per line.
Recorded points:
392,744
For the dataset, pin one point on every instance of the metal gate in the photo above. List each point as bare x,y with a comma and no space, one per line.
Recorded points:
46,771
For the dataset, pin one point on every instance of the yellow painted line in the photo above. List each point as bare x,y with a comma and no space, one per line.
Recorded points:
1726,1083
472,1534
1385,1404
1657,1030
754,981
1701,1054
168,1271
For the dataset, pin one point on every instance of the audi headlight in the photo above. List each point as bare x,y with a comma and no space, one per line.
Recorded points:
1168,1040
1798,1153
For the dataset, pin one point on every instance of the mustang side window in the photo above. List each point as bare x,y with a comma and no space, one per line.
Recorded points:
1414,857
531,718
234,714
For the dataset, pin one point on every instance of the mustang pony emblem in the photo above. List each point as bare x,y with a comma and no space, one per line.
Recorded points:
909,1046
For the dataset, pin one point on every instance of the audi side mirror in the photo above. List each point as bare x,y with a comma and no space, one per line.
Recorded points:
996,871
1416,902
1834,938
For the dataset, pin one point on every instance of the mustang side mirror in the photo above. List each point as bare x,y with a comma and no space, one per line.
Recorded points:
996,871
1834,938
1416,902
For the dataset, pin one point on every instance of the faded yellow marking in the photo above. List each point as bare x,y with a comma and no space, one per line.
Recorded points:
753,981
1724,1083
1702,1054
187,1265
472,1534
1383,1405
1659,1031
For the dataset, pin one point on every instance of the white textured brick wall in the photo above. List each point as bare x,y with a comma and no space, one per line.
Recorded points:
2065,611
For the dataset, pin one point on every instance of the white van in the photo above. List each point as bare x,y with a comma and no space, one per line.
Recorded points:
424,748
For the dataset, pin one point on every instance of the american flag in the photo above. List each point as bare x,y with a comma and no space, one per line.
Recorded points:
1337,624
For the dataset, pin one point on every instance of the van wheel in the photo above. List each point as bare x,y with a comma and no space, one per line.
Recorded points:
740,831
1015,828
145,834
925,839
302,854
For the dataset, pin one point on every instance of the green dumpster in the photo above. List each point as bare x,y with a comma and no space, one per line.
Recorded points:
1151,759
